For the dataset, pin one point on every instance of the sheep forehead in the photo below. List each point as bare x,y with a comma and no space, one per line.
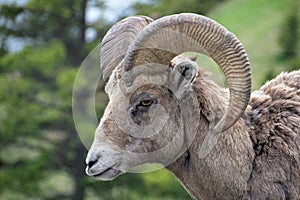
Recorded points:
141,76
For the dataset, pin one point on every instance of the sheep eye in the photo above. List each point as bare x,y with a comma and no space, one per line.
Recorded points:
146,103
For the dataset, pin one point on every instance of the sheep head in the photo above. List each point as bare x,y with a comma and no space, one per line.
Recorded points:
152,114
141,121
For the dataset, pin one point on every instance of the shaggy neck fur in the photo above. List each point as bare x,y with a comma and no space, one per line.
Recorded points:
221,175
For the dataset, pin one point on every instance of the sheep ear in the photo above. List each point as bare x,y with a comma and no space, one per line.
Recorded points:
183,74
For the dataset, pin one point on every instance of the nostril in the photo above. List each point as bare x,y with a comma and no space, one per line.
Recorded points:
91,163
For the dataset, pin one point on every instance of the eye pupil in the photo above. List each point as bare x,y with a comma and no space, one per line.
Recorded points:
146,103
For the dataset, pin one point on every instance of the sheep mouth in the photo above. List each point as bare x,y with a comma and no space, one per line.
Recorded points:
108,174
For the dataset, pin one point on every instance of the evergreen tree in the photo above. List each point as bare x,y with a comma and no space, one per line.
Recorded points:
290,32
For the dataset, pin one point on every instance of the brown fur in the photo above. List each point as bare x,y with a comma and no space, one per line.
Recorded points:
274,119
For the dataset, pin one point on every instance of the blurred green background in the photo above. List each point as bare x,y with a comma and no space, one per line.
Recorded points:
43,43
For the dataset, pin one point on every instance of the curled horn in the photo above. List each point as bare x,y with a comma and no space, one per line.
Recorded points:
169,36
117,40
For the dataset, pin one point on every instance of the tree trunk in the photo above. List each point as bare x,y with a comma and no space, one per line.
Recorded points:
79,164
78,170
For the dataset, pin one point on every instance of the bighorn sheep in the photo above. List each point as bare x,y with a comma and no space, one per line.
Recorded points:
256,153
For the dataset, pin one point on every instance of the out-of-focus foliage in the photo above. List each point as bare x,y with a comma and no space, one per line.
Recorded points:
39,21
290,31
158,8
24,78
289,37
28,110
288,40
44,61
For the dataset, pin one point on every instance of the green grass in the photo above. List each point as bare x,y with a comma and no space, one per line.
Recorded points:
256,23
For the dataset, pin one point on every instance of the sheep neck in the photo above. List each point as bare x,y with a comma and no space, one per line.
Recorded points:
219,175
